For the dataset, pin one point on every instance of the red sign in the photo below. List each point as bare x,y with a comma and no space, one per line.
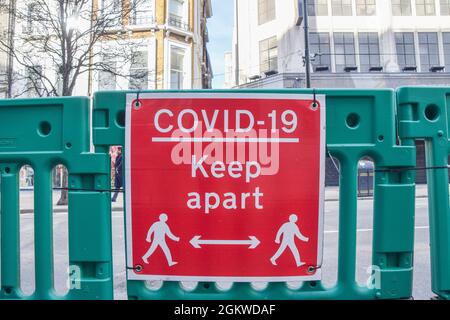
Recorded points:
224,186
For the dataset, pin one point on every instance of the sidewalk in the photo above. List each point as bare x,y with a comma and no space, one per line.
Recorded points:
26,199
332,193
27,205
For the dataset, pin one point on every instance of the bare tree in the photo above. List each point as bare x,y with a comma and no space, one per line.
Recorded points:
3,80
4,22
67,35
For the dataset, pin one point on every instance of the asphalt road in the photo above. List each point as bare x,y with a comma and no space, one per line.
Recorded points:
329,271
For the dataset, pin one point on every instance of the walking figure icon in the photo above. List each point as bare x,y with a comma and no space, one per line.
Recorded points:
289,231
160,230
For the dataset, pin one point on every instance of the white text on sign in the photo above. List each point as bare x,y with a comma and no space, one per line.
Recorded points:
218,159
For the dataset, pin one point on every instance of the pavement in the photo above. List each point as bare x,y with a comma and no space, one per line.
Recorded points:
27,203
421,284
26,198
332,193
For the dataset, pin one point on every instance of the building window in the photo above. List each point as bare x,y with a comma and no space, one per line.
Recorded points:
178,14
344,50
425,8
35,86
369,50
341,7
141,12
32,18
177,68
406,54
318,8
446,43
401,7
59,79
445,7
268,55
320,47
4,6
111,12
266,11
107,75
366,7
429,50
138,71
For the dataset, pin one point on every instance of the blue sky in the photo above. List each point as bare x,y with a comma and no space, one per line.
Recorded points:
220,27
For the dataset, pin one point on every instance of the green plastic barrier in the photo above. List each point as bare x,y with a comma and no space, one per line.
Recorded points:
43,133
424,114
359,123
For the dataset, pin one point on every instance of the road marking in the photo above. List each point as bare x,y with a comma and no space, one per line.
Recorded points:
367,230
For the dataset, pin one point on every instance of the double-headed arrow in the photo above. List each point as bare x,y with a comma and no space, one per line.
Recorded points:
253,242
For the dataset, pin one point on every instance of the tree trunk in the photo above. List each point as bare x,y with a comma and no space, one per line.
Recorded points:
64,197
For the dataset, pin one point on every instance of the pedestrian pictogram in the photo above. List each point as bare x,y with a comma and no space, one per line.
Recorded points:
160,230
288,232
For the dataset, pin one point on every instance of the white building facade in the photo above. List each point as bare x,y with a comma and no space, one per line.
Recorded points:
353,43
228,81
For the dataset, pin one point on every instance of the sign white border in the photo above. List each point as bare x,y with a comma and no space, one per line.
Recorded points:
131,274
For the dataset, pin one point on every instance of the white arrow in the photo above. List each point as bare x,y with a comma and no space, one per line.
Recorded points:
253,242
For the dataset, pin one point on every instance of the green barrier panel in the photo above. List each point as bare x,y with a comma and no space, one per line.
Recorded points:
359,123
424,114
43,133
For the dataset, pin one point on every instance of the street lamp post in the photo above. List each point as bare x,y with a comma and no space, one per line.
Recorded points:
236,47
306,33
10,58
